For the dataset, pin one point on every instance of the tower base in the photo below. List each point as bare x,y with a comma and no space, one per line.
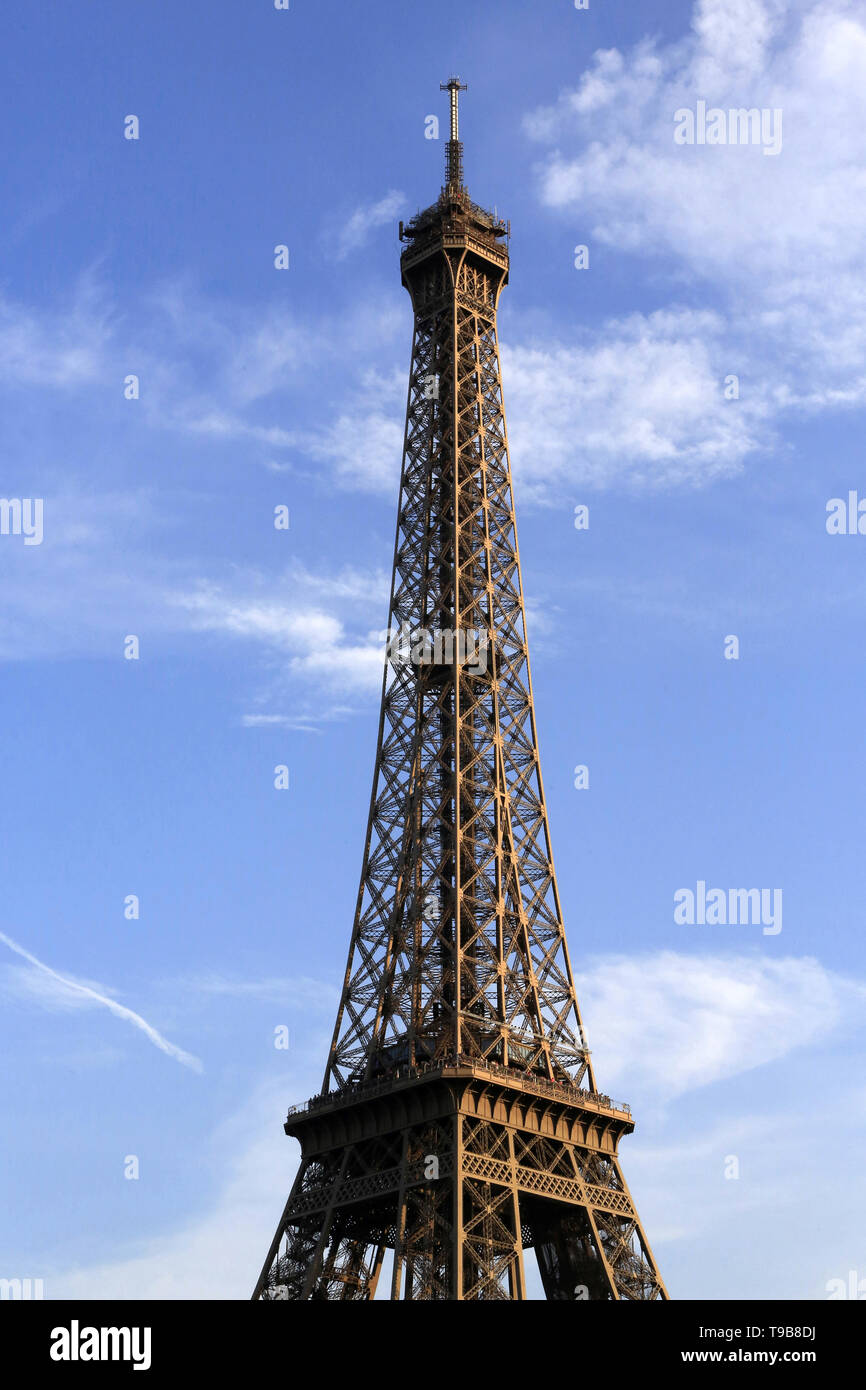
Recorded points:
457,1169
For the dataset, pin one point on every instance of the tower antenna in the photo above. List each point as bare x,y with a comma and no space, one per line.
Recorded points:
454,153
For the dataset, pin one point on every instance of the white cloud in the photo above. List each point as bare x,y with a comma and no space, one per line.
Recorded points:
364,449
52,989
297,992
357,227
56,349
780,240
306,720
668,1023
312,641
364,444
727,1014
643,402
87,585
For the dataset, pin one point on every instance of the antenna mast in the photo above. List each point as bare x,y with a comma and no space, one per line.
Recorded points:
454,153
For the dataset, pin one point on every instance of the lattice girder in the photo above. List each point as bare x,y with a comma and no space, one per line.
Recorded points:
434,1137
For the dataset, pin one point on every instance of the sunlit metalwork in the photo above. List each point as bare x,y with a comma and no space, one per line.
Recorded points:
459,1121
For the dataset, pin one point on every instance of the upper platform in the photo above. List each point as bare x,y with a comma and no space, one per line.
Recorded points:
454,221
596,1113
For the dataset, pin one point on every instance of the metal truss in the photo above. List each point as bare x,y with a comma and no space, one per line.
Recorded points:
459,1121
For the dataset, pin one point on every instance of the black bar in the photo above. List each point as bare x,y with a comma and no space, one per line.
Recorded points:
305,1342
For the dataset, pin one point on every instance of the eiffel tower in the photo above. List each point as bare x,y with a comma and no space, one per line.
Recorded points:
459,1122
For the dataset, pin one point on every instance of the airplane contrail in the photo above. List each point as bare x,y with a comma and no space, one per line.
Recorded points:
120,1010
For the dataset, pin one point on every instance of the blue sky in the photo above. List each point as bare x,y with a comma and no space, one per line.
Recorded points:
261,387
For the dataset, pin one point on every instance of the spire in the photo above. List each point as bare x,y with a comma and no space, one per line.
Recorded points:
454,155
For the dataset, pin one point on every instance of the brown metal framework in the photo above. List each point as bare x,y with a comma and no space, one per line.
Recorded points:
459,1121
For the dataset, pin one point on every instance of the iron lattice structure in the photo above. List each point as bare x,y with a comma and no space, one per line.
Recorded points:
459,1121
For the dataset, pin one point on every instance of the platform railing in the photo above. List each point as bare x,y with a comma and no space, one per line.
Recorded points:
365,1090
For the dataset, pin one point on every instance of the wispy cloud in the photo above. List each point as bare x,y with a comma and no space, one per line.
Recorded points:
75,990
669,1022
364,444
679,1185
360,223
306,720
640,401
62,349
301,991
307,620
780,241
